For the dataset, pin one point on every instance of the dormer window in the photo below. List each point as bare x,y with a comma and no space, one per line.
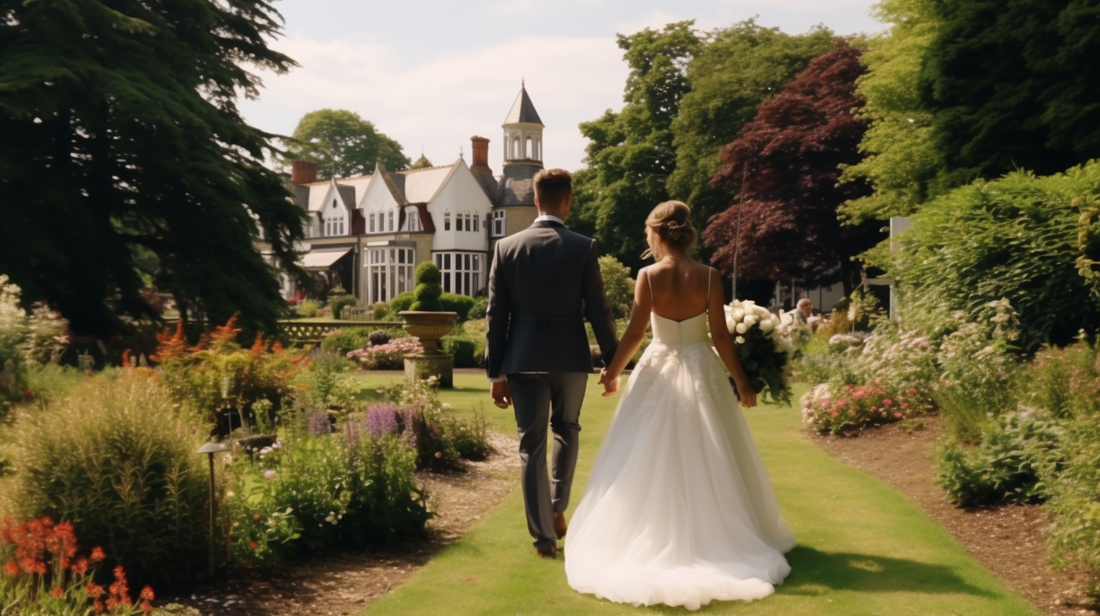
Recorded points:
371,227
446,221
334,204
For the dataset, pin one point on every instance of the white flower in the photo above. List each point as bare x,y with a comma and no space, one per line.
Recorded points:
767,325
738,314
741,328
740,339
446,405
750,320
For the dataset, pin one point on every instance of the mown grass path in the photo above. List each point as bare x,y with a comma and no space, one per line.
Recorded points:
863,548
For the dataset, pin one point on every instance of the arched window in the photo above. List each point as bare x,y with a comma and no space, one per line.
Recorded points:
528,149
515,148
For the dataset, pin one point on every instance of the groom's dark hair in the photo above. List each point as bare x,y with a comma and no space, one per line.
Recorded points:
552,186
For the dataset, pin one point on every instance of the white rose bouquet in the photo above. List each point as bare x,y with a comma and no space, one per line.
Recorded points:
765,348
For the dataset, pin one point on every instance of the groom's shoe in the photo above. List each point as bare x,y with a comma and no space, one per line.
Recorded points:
548,552
559,524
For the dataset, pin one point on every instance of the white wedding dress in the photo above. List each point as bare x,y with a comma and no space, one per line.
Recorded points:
678,509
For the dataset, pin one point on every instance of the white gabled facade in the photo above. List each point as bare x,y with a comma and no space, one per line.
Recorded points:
369,233
380,207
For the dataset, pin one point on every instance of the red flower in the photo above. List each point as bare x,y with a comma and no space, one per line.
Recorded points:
911,391
888,402
98,554
253,545
57,592
438,454
81,566
897,415
904,405
256,516
874,408
94,591
11,568
99,607
147,593
28,394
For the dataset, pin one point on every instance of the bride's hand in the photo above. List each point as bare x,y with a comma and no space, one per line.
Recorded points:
610,384
747,395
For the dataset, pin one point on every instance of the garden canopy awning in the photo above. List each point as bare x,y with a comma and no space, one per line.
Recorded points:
322,259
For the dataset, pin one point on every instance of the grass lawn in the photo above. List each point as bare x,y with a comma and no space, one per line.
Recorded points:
863,548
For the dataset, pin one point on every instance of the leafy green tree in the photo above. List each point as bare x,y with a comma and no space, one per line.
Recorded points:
421,163
122,138
618,285
1013,86
343,144
900,158
739,68
631,153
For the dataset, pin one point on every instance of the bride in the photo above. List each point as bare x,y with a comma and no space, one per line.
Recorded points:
678,508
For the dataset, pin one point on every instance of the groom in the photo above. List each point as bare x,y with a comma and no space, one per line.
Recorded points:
545,280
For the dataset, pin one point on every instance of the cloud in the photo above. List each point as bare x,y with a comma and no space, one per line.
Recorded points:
439,103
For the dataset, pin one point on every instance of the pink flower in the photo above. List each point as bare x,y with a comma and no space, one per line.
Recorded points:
904,405
834,414
888,402
897,415
879,392
874,408
859,393
911,391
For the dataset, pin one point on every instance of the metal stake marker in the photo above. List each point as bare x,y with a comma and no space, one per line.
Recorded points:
210,449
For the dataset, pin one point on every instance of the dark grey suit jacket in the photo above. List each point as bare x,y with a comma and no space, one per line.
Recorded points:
543,283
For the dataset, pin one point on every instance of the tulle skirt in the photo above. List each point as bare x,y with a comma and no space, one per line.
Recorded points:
678,509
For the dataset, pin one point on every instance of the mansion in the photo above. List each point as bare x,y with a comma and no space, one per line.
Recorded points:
369,233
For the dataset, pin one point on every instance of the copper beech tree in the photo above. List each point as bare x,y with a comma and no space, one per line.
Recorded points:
784,169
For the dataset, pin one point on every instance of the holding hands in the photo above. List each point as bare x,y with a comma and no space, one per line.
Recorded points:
610,383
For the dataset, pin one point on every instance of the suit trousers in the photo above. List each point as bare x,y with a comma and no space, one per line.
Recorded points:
545,400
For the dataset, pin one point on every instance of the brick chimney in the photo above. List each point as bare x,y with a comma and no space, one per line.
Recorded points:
480,148
303,171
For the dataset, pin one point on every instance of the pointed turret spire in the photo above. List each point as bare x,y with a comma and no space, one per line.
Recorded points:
523,110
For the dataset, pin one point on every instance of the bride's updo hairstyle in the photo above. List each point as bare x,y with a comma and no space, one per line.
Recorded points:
671,221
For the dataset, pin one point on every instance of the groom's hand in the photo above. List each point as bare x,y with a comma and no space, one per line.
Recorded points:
502,394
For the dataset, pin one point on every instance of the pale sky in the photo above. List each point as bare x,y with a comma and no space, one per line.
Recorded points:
431,74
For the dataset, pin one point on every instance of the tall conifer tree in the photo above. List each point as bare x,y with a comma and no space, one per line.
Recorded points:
124,148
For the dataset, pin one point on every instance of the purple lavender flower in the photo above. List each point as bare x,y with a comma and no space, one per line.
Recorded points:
319,424
382,419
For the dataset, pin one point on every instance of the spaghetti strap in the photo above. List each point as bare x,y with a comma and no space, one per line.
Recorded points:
709,277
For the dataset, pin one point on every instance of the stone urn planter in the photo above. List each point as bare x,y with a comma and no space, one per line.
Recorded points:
427,320
429,327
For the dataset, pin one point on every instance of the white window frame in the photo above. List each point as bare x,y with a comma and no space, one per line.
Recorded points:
461,272
389,272
499,228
